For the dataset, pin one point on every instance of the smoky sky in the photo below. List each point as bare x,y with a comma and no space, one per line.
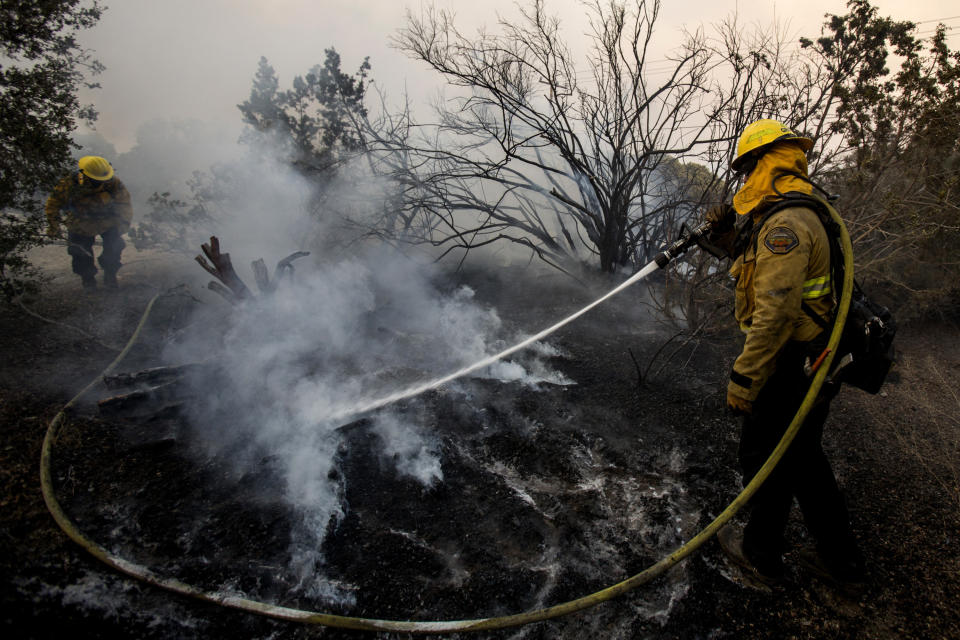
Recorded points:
182,59
350,327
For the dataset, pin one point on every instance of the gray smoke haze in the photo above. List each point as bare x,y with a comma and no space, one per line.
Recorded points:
358,321
165,153
183,59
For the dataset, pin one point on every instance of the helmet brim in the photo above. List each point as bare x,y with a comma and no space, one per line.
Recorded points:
803,142
100,178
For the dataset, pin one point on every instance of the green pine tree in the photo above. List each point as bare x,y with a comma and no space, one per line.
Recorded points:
41,70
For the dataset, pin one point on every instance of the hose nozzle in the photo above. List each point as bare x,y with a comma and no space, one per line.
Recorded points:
692,236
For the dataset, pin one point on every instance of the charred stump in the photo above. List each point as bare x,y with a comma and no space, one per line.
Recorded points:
229,285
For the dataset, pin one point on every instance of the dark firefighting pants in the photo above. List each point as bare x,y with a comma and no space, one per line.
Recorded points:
80,248
803,473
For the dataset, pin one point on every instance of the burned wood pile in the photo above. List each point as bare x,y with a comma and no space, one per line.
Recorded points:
230,286
154,391
162,391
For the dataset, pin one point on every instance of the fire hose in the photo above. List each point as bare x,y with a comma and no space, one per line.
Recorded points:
145,574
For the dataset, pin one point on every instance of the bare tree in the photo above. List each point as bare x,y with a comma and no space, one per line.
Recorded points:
572,164
882,106
833,89
601,163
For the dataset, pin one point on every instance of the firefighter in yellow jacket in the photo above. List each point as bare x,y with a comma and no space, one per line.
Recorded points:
782,270
95,203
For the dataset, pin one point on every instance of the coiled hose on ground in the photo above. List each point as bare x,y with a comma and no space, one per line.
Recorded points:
442,626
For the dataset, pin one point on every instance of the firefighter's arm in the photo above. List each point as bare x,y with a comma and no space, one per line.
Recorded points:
783,254
56,201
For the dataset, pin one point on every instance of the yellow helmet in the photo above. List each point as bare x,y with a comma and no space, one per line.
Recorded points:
762,133
95,168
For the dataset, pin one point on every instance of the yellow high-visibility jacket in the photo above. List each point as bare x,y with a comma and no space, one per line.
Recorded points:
91,207
788,264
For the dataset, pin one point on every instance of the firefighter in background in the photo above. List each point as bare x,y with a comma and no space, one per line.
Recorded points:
779,262
95,203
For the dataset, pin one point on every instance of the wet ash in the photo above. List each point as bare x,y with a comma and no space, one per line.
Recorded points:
535,507
541,493
544,493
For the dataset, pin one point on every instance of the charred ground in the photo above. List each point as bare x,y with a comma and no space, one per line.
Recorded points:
549,492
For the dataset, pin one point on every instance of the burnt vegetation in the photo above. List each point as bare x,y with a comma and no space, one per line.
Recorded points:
512,492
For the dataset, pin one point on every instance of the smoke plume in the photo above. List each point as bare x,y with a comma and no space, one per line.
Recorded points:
352,325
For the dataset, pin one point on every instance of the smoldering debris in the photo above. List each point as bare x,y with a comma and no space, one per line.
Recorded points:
489,495
484,509
280,365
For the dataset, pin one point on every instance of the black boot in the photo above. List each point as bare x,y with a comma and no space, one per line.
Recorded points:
761,578
89,282
110,279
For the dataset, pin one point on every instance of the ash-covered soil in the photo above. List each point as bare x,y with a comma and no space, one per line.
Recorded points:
544,491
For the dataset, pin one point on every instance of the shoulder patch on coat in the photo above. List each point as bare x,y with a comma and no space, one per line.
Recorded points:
781,240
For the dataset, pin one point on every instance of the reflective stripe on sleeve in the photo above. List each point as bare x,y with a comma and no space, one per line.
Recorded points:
816,287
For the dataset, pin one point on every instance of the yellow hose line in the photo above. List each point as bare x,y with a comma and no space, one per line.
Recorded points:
448,626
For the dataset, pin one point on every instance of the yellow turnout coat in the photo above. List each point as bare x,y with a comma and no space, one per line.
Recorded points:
787,263
91,207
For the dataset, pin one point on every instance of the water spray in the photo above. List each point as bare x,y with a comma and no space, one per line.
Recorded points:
688,238
174,585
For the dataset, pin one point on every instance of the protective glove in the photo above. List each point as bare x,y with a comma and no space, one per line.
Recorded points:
723,234
53,230
721,218
738,405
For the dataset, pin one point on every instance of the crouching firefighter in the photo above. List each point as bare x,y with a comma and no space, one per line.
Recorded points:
784,296
95,203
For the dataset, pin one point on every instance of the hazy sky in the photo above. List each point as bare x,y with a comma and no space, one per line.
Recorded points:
179,59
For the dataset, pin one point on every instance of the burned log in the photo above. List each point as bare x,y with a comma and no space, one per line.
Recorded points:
145,401
260,275
221,290
156,391
154,376
230,286
221,268
285,267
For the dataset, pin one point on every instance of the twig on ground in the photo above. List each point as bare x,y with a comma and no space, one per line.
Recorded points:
662,347
636,365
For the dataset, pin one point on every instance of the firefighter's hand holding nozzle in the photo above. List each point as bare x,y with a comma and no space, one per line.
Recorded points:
722,222
721,218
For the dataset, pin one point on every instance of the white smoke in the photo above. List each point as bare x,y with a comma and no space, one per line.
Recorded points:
352,325
408,449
